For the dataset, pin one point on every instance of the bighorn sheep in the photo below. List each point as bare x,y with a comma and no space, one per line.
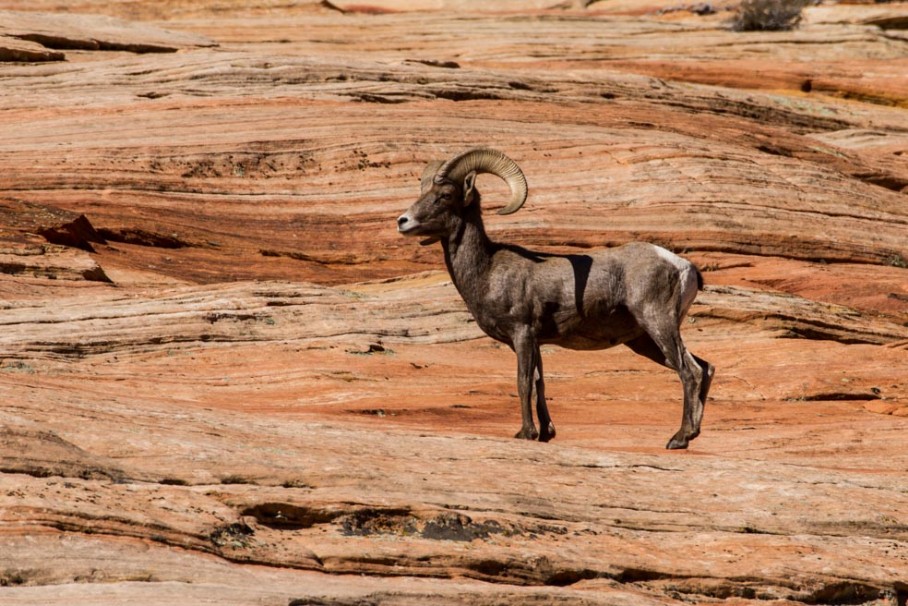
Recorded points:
636,294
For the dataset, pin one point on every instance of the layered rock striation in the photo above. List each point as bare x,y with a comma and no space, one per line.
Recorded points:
226,378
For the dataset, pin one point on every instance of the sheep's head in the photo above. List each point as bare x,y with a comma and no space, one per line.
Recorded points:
449,189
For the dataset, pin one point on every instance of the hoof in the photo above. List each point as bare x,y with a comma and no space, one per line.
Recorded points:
527,434
547,433
677,443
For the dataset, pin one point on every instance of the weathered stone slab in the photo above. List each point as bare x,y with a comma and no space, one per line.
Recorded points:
276,399
24,34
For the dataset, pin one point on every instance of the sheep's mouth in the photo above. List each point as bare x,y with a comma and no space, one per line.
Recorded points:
414,230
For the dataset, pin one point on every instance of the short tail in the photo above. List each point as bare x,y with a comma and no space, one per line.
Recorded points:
699,278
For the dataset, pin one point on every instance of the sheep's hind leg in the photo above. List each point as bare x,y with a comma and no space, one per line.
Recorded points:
695,374
695,378
708,370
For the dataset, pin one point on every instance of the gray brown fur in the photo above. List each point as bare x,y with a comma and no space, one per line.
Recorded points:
636,295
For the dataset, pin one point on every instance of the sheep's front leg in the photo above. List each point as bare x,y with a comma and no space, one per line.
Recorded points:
527,351
546,427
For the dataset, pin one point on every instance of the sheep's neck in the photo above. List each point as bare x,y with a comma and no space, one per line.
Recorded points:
468,256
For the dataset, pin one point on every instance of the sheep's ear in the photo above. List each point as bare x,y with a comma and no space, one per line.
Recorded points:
469,183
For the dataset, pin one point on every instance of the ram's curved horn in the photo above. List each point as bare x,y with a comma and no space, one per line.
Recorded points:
425,181
484,160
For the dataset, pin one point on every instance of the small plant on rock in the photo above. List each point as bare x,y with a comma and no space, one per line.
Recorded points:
768,15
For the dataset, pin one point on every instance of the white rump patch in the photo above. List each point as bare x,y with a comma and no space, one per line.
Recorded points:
687,275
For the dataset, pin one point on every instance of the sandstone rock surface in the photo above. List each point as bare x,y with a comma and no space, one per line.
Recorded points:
225,378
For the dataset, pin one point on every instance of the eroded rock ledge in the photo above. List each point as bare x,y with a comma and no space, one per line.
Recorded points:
31,37
606,521
227,378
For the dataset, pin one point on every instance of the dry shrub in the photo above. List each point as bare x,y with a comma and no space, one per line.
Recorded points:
768,15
